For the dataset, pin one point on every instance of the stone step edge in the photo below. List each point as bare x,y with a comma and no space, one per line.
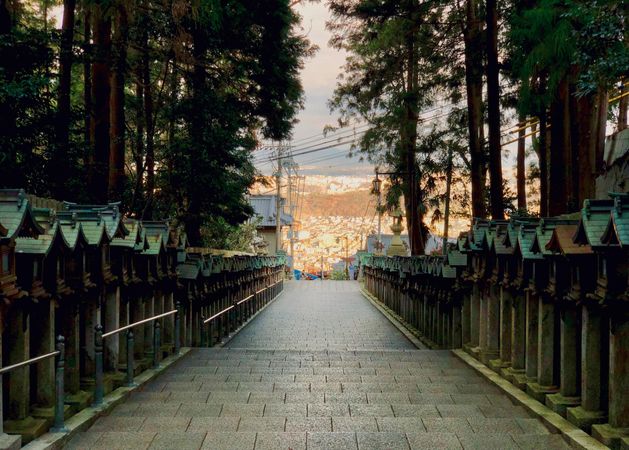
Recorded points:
576,437
415,339
84,419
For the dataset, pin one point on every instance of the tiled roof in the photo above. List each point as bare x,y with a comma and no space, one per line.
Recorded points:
617,230
264,207
500,237
136,239
457,259
525,242
561,242
544,232
42,244
16,215
157,235
71,229
595,216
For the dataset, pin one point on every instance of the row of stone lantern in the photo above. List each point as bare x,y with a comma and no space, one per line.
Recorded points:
543,302
66,269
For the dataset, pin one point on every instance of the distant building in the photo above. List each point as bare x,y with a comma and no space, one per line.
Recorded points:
433,243
264,207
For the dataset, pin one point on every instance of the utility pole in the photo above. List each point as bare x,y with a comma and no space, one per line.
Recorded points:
446,222
278,202
347,257
322,267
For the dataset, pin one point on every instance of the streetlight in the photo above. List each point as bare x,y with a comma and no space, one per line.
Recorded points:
377,189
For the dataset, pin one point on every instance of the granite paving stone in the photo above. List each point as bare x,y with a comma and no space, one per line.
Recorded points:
430,441
280,441
180,440
331,441
229,441
382,440
320,368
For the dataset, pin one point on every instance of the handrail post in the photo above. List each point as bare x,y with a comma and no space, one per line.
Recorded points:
156,343
59,424
98,356
130,358
177,328
209,334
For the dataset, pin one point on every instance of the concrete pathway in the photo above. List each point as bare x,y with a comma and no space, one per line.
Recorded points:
321,368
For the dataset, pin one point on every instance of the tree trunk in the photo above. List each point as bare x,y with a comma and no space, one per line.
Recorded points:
493,103
65,74
474,87
150,130
560,189
543,165
409,144
139,142
622,107
582,109
192,217
100,123
60,157
6,21
521,166
7,113
117,177
87,82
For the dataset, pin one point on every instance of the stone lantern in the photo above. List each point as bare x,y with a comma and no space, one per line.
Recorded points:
397,246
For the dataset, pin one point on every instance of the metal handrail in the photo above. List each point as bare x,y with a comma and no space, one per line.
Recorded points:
245,299
58,425
219,314
140,322
6,369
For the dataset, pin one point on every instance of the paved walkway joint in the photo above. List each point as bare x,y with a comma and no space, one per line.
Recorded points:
321,368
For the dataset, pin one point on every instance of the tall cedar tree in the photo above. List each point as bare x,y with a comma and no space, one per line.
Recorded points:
391,46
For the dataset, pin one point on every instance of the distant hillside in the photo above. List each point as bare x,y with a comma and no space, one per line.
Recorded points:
347,204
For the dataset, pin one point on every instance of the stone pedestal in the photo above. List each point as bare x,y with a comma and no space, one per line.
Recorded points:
466,336
90,317
546,369
594,356
518,339
112,322
18,340
491,350
618,427
569,373
169,322
532,324
137,314
149,311
43,326
457,335
504,360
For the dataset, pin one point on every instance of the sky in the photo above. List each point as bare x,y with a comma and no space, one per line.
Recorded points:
319,78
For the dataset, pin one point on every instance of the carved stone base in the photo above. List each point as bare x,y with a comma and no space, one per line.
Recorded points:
29,428
79,401
585,419
560,404
509,373
498,364
48,412
9,442
539,392
520,380
488,355
609,436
